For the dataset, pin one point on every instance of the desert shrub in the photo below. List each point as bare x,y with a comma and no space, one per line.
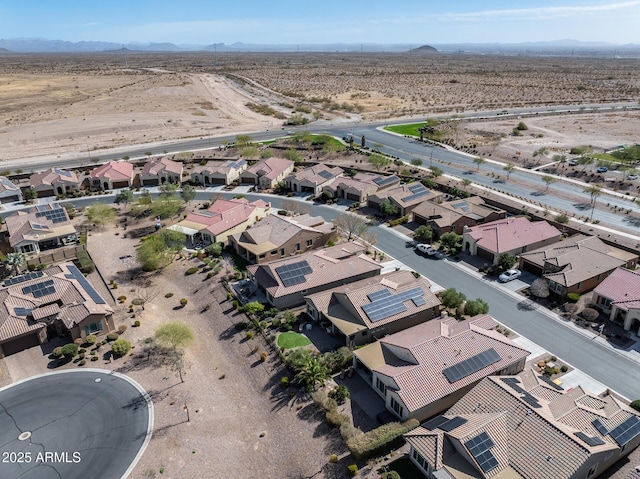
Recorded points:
390,475
136,323
590,314
340,394
540,288
285,381
122,328
192,270
214,249
399,221
348,430
476,306
573,297
564,368
94,358
635,405
57,352
333,458
91,339
276,322
168,295
562,219
86,265
250,334
112,336
82,363
69,350
336,419
120,347
352,470
451,298
122,299
379,440
81,355
183,301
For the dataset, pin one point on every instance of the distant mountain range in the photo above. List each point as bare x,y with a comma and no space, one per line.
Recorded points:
39,45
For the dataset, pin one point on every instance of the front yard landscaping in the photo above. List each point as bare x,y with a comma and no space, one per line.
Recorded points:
290,340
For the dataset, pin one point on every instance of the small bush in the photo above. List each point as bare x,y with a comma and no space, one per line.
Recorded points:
340,394
399,221
57,352
69,350
112,337
379,440
573,297
122,328
168,295
122,299
285,381
564,369
352,470
81,356
276,322
82,363
249,334
183,301
91,339
136,323
94,358
635,405
333,458
192,270
120,347
336,419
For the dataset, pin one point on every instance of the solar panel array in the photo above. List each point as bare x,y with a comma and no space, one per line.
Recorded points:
383,293
38,290
472,365
592,441
453,423
383,180
62,172
237,164
551,383
75,273
326,174
37,226
600,427
22,311
463,205
435,423
291,274
626,431
55,215
526,397
417,191
23,278
479,447
388,305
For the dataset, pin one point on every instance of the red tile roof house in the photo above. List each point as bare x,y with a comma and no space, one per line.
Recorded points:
525,427
53,302
112,175
359,187
9,193
369,309
424,370
159,171
512,235
405,197
577,264
219,173
311,180
619,295
287,281
278,236
54,181
453,216
39,228
267,173
222,219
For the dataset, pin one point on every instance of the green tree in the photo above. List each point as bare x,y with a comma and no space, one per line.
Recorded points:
250,152
451,298
522,126
465,183
424,232
509,167
476,306
594,191
188,193
451,242
159,249
312,374
548,180
387,208
435,171
242,141
214,249
13,261
120,347
167,206
69,350
253,308
29,194
416,162
505,261
293,155
101,214
479,162
124,197
541,152
560,159
267,153
145,197
379,161
174,334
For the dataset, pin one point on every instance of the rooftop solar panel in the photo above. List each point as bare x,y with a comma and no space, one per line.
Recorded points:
463,205
531,400
388,305
416,187
384,180
453,423
600,427
420,194
592,441
479,447
383,293
626,431
22,278
292,274
326,174
75,273
472,365
62,172
23,312
551,383
435,422
420,301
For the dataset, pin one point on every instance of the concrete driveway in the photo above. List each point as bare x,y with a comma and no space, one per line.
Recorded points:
72,424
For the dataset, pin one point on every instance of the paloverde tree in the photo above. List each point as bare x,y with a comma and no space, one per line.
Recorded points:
101,214
435,172
242,141
479,162
424,233
548,180
416,162
541,152
451,242
379,161
387,208
509,167
174,334
124,197
160,249
560,159
351,224
188,193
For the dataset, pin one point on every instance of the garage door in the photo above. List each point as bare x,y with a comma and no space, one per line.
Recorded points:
216,181
20,344
120,184
483,253
150,182
353,197
531,268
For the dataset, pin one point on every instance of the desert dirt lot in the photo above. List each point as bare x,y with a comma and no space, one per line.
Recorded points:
56,105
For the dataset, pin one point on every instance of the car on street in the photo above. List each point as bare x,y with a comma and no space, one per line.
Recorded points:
410,244
572,162
602,169
632,177
426,249
509,275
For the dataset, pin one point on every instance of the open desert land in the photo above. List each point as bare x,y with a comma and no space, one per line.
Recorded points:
63,104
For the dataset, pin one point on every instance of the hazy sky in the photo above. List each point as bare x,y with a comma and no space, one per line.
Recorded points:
324,21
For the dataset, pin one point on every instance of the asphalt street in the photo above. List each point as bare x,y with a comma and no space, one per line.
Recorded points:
79,427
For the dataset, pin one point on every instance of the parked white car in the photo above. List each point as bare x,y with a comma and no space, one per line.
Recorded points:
426,249
509,275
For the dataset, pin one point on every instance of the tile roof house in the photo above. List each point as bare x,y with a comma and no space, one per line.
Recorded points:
369,309
453,216
577,264
619,295
405,197
267,173
159,171
9,192
53,302
222,219
511,235
54,181
278,236
287,281
111,175
312,179
424,370
360,186
219,173
42,227
525,426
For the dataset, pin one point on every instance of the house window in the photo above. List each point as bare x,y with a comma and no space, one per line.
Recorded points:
274,252
365,332
262,255
309,242
578,285
93,328
281,251
397,408
552,285
592,471
297,246
380,386
419,459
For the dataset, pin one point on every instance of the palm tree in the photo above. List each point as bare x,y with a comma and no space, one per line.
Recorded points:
14,261
594,191
312,374
509,169
542,151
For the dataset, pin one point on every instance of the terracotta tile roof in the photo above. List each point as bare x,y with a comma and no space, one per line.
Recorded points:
328,265
622,287
221,167
223,215
407,195
158,165
511,234
270,167
34,225
6,185
535,437
363,182
67,301
54,176
447,213
316,174
114,170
